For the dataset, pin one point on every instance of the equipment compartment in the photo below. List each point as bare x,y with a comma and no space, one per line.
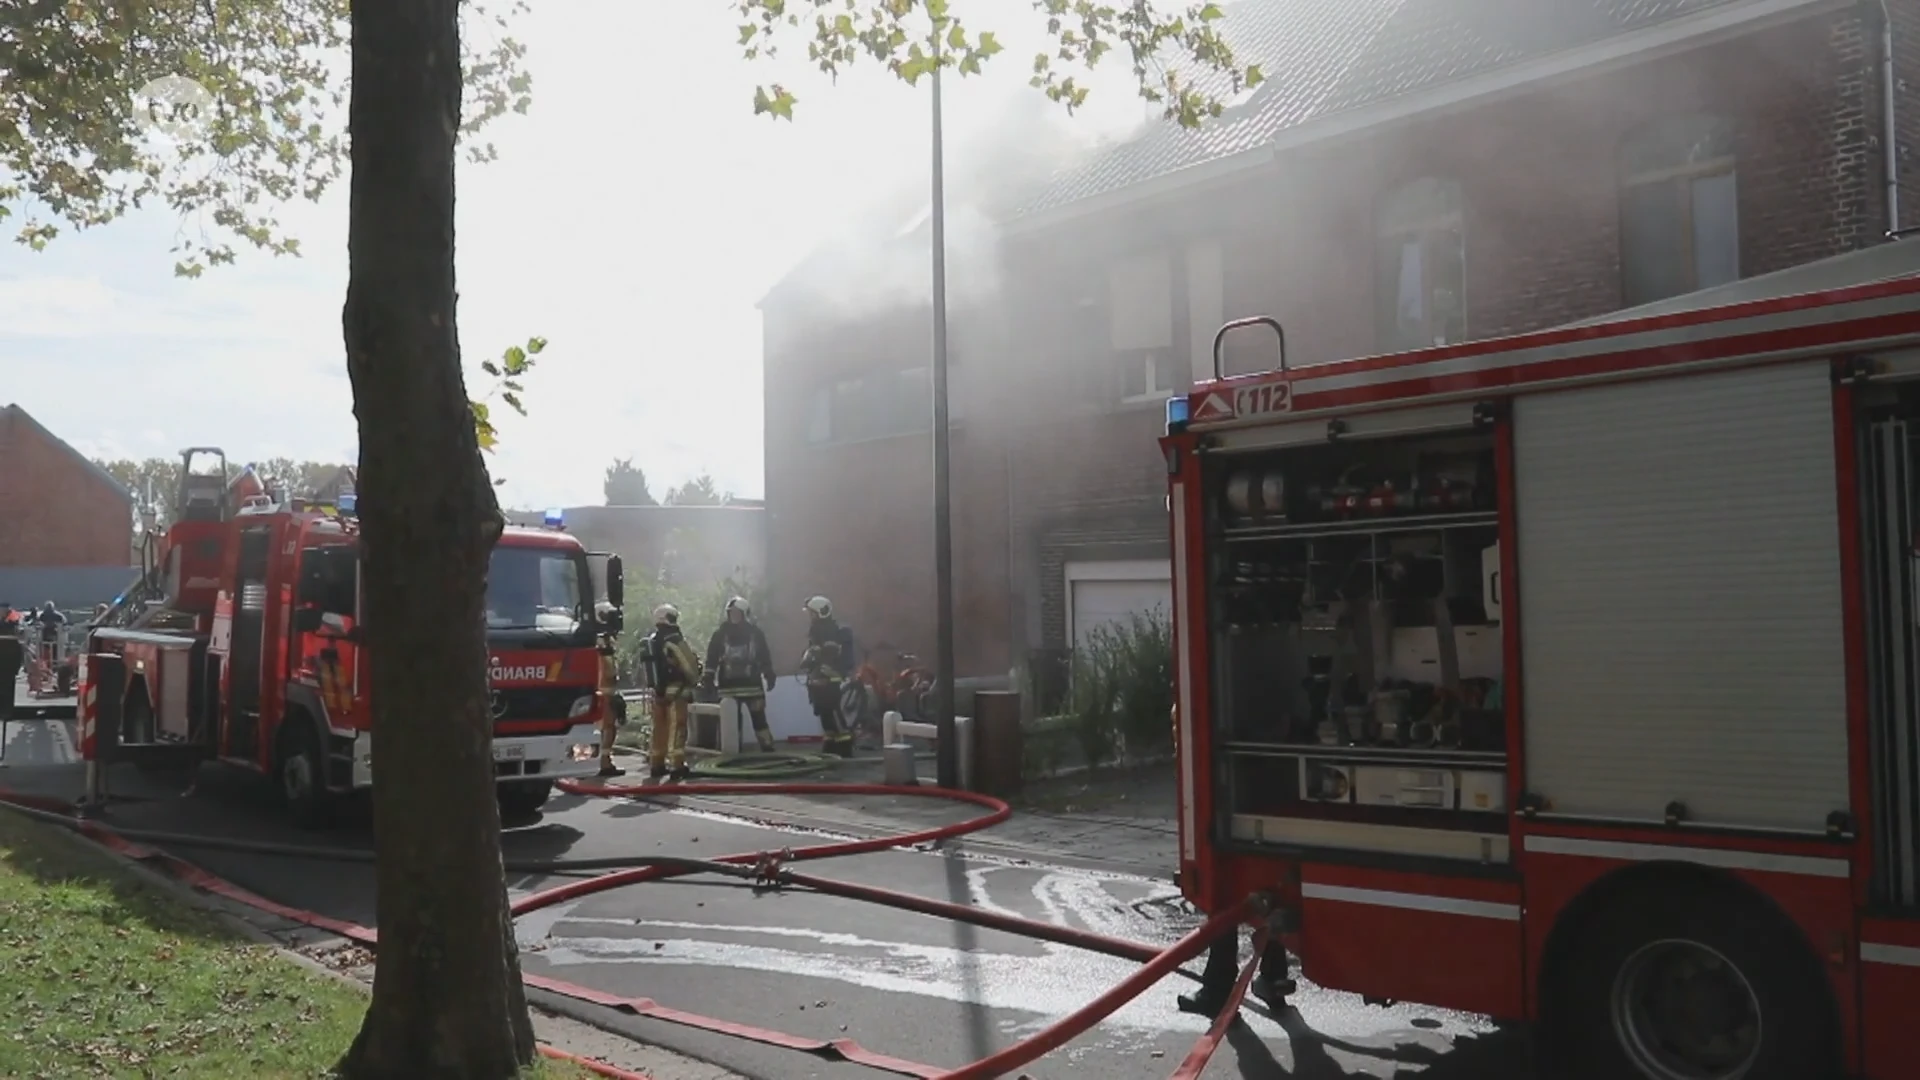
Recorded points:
1355,599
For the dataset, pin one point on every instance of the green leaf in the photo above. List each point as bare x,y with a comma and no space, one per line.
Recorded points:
536,345
778,104
988,44
1212,13
1254,75
490,368
515,360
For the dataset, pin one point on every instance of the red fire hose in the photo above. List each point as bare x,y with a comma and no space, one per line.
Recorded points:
765,869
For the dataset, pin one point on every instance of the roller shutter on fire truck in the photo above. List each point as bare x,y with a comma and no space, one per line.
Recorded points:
1681,624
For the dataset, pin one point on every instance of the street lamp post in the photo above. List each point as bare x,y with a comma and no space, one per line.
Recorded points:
947,761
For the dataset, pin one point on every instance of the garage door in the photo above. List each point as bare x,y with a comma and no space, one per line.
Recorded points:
1103,593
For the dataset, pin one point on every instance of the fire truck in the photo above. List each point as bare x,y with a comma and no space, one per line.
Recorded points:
1572,677
241,643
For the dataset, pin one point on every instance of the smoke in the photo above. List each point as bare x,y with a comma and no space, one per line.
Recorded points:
1003,142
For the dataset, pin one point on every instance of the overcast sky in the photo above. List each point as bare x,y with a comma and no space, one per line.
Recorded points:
633,219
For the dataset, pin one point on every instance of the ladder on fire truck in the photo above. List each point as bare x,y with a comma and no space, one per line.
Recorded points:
200,496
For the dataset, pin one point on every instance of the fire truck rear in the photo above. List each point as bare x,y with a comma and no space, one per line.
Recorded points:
1573,677
243,643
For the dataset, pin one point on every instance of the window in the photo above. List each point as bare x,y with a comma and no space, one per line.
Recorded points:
1149,375
1140,328
877,405
1421,266
330,579
535,588
1679,208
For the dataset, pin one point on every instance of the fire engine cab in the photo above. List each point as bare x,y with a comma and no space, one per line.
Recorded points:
1573,677
241,643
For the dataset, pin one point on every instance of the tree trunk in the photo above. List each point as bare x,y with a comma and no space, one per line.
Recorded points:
447,997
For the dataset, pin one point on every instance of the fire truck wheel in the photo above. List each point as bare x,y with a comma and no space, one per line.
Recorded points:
302,772
1687,982
523,800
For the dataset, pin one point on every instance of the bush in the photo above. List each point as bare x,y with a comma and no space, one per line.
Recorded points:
1122,689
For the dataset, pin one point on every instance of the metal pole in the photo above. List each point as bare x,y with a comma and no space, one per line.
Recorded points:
947,763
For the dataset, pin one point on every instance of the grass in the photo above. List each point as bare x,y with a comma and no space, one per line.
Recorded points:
102,976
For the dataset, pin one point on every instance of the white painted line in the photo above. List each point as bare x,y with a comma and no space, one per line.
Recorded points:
1444,905
1724,858
1898,955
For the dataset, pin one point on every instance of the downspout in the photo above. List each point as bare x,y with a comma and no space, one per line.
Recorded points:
1890,128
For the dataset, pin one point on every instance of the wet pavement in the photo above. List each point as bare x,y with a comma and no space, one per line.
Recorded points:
901,984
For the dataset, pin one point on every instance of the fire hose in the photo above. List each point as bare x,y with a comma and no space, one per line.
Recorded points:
760,870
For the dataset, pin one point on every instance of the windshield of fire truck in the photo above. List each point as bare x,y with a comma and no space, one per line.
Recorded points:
538,590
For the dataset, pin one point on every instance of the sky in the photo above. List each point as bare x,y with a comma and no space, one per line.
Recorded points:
634,218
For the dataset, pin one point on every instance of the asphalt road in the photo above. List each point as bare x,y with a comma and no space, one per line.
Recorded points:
901,984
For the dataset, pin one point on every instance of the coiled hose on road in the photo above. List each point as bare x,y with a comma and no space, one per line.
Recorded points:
765,869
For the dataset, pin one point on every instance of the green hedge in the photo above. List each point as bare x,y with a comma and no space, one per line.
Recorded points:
1120,699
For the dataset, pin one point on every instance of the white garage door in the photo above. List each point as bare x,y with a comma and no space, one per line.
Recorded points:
1102,593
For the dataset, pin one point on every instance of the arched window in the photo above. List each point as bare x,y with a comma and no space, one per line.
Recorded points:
1420,266
1679,208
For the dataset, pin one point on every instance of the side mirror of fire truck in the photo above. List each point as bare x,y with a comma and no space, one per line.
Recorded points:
616,582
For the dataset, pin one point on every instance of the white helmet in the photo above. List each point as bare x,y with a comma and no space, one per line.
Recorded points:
821,607
739,604
667,613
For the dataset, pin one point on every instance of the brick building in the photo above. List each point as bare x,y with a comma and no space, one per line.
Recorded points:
1410,174
66,525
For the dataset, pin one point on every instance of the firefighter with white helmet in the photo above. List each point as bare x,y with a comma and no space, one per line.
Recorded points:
740,666
673,670
828,661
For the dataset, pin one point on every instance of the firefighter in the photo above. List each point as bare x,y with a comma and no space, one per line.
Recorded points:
614,716
673,670
828,660
1271,984
740,666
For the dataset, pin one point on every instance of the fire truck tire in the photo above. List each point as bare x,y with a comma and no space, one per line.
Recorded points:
301,772
1686,980
524,799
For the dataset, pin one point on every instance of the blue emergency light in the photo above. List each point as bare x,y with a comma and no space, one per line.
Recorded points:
1177,410
345,504
555,518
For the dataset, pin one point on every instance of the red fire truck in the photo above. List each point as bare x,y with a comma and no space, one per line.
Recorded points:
242,644
1573,677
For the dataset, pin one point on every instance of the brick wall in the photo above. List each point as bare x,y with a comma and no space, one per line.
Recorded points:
1538,177
55,509
1538,181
